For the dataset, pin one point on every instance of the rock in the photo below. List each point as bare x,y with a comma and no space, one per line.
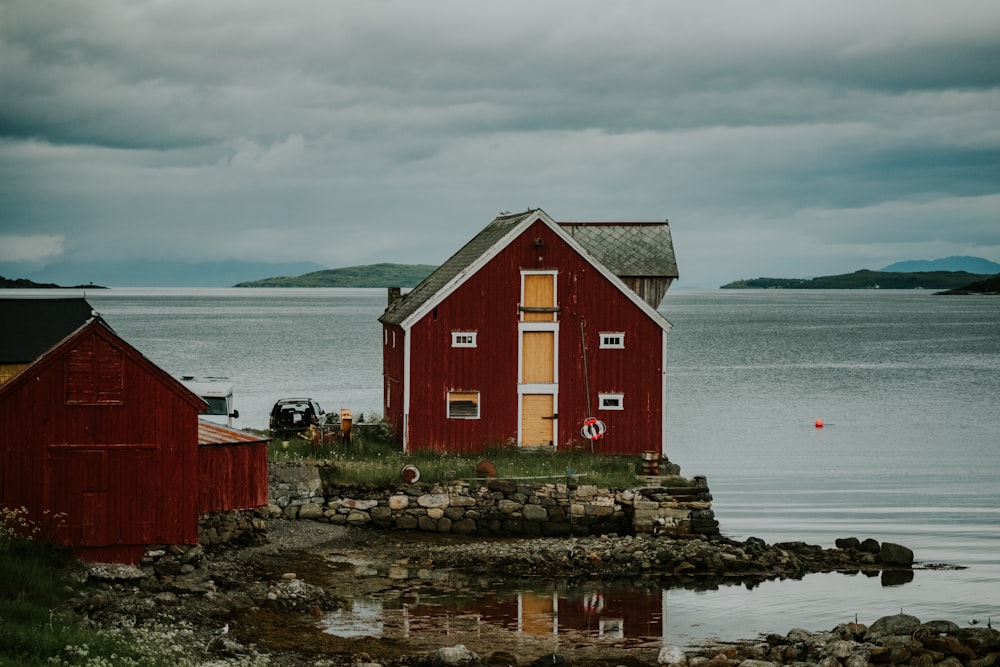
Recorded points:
310,511
848,543
534,513
672,655
898,624
870,546
114,571
501,659
435,500
896,554
225,647
450,656
548,660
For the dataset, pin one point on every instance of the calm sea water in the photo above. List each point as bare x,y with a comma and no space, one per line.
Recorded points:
906,383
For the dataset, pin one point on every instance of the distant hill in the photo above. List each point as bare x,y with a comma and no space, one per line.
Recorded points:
989,286
24,283
156,273
865,279
976,265
370,275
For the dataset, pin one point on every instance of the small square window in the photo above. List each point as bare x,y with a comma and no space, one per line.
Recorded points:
613,340
463,339
611,401
463,405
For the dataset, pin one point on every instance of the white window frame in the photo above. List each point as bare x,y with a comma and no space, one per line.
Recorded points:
464,338
612,340
449,401
604,404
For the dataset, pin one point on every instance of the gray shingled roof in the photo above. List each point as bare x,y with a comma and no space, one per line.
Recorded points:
32,326
452,268
637,249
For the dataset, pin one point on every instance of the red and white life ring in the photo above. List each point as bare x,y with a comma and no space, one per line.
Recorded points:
593,429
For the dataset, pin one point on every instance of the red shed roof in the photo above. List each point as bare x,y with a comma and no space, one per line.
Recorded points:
216,434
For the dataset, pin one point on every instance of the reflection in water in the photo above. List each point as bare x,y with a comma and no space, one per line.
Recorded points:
449,607
468,611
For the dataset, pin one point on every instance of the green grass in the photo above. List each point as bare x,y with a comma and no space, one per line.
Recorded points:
372,460
37,579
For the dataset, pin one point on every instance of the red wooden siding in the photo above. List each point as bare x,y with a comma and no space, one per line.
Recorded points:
487,303
393,340
120,468
232,476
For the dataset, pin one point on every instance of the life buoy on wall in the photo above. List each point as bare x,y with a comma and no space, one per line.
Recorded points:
593,429
410,474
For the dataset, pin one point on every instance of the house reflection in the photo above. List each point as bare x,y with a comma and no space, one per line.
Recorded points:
592,611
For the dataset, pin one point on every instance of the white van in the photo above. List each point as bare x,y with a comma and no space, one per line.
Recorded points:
218,393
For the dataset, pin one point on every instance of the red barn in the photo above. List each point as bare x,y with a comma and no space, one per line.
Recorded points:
529,332
100,445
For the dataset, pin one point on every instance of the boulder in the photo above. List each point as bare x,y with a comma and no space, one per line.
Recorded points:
896,554
897,624
451,656
849,543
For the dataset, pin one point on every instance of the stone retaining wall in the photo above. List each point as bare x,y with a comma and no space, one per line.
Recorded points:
671,505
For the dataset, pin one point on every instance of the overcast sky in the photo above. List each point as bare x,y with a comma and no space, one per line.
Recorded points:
785,139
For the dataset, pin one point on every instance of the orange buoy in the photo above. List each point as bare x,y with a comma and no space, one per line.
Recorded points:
819,423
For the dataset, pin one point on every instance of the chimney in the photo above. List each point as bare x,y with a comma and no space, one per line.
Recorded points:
394,295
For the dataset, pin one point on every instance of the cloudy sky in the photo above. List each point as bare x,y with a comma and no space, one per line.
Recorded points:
780,138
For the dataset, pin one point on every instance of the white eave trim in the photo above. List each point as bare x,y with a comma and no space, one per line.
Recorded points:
484,259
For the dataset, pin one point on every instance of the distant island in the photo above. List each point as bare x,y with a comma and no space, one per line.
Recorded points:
865,279
24,283
370,275
988,286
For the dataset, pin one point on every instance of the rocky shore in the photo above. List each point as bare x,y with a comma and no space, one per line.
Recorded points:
269,594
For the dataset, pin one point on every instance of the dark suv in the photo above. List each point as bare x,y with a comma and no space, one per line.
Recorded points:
294,415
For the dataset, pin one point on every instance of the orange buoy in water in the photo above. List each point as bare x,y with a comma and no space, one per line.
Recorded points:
819,423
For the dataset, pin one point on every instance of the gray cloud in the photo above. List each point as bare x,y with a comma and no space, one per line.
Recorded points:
787,139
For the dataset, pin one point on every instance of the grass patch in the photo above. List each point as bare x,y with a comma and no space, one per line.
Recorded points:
36,627
371,460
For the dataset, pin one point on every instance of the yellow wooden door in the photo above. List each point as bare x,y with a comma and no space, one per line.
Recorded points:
538,357
537,420
539,298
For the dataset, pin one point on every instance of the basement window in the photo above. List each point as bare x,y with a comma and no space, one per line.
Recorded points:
463,405
611,401
613,340
463,339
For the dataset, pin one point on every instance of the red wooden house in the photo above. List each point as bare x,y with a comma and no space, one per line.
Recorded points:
101,445
528,333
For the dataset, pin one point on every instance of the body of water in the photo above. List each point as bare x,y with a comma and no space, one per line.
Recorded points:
907,385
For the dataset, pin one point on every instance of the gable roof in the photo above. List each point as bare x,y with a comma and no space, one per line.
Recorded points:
98,327
32,326
455,266
605,239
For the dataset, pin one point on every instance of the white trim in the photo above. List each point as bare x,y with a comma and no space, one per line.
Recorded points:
457,336
406,390
478,394
487,256
663,399
538,388
612,340
618,397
